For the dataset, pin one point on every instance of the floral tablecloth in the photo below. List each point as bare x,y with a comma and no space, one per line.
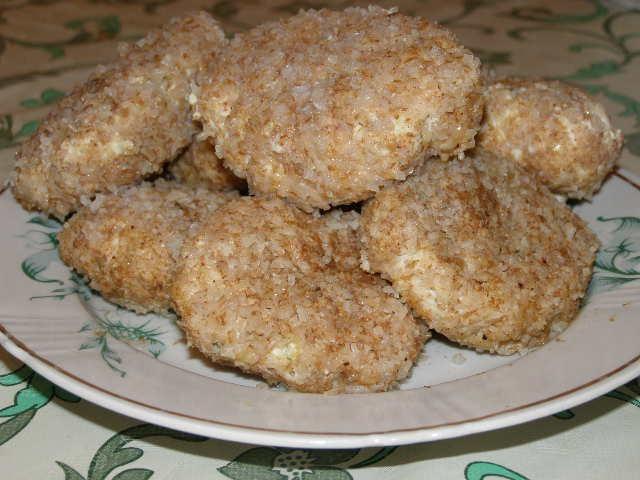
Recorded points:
45,432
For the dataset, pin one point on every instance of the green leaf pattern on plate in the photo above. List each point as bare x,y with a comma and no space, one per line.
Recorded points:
103,327
106,324
618,260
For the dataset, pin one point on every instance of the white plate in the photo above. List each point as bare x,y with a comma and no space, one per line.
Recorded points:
139,365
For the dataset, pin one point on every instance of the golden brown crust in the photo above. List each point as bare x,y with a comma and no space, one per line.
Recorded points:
121,125
481,251
554,129
199,166
127,243
324,108
265,288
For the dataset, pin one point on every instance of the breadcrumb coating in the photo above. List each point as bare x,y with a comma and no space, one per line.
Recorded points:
199,166
553,128
325,107
120,126
481,251
264,287
127,243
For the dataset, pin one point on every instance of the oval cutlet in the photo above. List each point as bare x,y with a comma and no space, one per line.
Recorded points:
553,128
481,251
127,243
120,126
263,287
324,108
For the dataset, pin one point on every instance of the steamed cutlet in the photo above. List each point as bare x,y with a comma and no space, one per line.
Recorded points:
263,287
324,108
127,243
481,251
120,126
554,129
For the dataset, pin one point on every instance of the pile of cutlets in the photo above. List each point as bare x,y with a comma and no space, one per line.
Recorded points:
315,195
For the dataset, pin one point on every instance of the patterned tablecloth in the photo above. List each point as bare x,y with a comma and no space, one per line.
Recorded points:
48,45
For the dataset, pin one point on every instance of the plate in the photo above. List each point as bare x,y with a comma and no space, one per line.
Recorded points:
140,366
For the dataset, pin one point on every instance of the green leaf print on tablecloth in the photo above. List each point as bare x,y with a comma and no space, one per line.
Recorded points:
543,14
150,6
47,97
469,7
115,453
106,323
493,57
37,392
631,106
618,394
266,463
632,142
634,386
83,30
632,396
618,260
565,415
9,138
484,470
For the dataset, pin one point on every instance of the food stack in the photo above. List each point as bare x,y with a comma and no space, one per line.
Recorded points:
315,195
